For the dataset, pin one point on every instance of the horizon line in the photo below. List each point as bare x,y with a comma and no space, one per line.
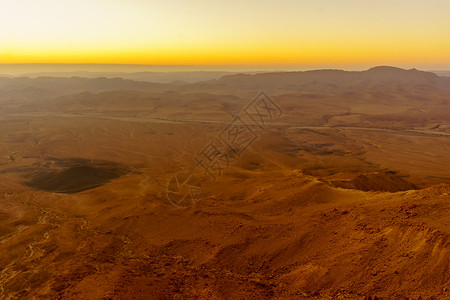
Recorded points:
15,69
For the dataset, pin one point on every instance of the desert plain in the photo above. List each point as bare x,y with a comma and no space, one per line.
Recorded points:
291,185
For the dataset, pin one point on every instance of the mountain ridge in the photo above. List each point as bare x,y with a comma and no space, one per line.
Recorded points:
380,75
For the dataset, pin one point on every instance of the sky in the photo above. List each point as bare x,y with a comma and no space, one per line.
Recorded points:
234,32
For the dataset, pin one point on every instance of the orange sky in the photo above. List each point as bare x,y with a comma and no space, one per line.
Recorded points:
209,32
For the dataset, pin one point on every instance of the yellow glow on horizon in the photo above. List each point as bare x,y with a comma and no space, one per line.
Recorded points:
240,32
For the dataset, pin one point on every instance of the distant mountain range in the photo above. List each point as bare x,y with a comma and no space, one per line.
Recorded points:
336,79
57,85
157,77
321,81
